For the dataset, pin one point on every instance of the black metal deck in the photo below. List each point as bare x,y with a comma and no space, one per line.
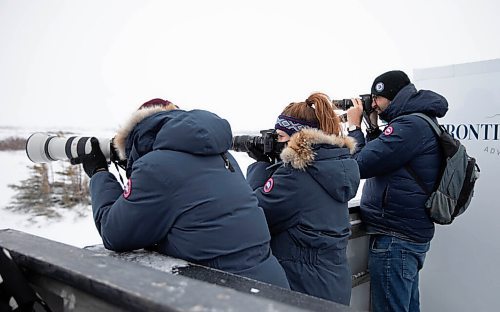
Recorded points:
75,279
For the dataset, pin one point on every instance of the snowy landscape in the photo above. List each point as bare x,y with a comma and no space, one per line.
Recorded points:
75,226
84,66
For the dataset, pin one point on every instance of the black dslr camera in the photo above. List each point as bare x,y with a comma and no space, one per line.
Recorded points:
267,143
345,104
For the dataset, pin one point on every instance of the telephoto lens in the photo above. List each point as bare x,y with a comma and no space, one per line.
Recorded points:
43,148
243,143
343,104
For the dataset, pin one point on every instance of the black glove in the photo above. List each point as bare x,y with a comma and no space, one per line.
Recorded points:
95,161
257,153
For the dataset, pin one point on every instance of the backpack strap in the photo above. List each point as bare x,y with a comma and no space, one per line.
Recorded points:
434,125
437,130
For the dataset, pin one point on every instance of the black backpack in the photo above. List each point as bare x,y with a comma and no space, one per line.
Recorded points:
455,186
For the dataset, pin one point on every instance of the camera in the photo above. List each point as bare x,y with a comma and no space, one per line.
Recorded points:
44,148
345,104
267,142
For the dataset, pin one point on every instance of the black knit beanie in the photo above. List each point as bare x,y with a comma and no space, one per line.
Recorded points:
389,84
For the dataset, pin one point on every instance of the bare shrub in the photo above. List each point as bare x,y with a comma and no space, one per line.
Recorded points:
12,144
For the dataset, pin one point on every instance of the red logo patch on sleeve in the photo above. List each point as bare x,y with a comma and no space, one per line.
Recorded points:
269,185
128,189
389,130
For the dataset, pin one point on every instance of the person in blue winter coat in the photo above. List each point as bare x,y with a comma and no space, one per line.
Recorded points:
393,203
186,196
305,195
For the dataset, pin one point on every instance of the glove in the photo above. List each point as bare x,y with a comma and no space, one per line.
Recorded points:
95,161
257,153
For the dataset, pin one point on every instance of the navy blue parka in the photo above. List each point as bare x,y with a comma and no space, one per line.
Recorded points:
392,202
186,196
305,201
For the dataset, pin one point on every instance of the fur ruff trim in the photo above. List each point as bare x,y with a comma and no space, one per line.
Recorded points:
120,139
299,153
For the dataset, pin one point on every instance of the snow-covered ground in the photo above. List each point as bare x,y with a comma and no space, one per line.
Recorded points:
71,228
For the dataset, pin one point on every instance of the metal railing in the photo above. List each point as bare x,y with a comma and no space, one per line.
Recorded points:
75,279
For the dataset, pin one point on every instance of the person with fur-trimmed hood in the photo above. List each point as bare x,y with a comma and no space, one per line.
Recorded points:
305,198
185,197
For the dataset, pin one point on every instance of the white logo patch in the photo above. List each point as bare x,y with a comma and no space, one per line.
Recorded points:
379,87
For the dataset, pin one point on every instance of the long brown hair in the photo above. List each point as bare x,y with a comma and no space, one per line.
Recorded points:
316,109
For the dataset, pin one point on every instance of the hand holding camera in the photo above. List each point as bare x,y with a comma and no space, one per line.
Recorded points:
261,148
359,109
256,152
355,113
93,162
365,100
44,148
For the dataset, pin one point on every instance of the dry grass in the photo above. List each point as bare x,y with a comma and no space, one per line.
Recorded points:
12,144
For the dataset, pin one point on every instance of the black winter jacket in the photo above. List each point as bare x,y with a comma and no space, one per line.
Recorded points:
305,202
186,196
392,202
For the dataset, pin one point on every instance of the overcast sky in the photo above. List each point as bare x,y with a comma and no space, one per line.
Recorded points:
67,64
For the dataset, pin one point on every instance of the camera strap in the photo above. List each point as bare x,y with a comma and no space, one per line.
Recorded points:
119,174
368,122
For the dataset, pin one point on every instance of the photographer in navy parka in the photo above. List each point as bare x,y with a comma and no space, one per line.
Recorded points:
305,195
186,196
393,202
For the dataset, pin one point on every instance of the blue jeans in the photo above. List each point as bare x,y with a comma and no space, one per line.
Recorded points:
394,265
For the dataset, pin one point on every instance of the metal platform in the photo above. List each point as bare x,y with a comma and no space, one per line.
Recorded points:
75,279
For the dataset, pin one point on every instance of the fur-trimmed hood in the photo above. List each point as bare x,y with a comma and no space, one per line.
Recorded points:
299,151
120,138
196,132
327,159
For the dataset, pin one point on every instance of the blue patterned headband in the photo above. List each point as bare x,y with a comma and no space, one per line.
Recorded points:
291,125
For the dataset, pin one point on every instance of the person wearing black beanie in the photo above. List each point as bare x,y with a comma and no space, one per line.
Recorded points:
389,84
392,204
